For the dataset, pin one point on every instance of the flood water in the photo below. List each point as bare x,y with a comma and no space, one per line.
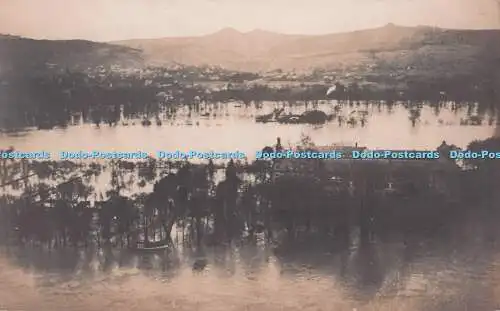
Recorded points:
455,269
460,270
234,128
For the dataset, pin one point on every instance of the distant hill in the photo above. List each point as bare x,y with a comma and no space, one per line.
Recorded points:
227,48
414,50
392,51
21,54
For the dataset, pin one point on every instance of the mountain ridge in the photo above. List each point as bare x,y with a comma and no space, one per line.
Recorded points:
261,50
393,50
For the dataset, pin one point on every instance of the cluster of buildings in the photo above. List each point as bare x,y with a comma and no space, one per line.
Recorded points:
385,176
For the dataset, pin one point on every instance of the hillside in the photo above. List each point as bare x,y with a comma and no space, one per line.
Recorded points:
227,48
21,54
415,50
377,55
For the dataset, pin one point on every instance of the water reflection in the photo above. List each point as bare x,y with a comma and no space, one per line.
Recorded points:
421,275
234,127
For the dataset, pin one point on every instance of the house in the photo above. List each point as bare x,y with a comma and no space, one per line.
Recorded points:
317,168
435,175
294,167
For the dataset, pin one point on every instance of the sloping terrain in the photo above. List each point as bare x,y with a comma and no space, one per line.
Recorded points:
415,49
389,51
20,54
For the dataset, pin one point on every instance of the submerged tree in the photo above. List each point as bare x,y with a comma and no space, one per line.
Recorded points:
414,116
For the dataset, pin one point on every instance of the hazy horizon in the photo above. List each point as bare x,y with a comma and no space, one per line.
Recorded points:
110,20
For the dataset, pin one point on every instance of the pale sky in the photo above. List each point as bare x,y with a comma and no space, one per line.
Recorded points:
106,20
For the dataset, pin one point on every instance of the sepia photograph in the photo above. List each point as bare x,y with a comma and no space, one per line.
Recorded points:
240,155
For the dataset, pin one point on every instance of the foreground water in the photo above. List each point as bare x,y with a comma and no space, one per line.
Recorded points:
234,128
458,269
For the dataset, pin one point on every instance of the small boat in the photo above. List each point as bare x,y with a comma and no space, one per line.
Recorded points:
146,122
151,246
153,249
